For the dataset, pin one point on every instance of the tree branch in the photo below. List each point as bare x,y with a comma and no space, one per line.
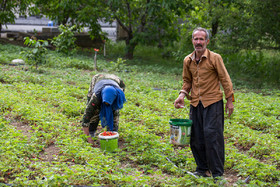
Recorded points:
3,6
143,18
129,16
121,24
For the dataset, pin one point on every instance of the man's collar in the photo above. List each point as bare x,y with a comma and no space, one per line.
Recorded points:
205,54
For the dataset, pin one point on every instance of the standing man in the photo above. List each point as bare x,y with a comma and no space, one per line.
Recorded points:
105,99
203,72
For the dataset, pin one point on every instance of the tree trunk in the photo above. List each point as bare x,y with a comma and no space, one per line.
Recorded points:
215,26
160,45
95,62
130,46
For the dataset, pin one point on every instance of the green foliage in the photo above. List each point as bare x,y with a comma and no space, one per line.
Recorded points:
42,143
9,9
253,24
119,65
65,41
256,66
233,24
76,13
14,52
37,55
145,22
148,22
62,11
115,49
265,11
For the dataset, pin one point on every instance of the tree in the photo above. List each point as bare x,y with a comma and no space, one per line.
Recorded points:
251,25
83,13
236,24
9,9
147,20
266,20
209,14
142,20
90,13
60,11
57,10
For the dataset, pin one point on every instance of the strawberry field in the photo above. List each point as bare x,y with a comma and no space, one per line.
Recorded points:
42,143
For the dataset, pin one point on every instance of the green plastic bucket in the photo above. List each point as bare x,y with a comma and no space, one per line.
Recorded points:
109,143
180,131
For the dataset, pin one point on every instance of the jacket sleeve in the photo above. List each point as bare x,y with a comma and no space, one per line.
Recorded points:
92,83
122,85
92,109
224,76
187,77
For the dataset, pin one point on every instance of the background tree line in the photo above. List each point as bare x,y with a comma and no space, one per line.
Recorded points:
234,24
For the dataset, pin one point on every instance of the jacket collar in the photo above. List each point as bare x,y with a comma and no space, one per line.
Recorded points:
205,55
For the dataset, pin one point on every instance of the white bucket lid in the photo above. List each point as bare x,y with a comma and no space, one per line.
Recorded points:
109,137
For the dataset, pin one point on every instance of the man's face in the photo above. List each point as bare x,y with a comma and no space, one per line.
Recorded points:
199,41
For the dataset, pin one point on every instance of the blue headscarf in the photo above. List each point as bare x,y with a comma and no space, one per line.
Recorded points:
115,98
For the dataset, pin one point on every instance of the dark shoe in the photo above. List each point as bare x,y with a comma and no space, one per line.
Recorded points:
202,174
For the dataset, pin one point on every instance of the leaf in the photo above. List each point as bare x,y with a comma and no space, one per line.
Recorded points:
35,50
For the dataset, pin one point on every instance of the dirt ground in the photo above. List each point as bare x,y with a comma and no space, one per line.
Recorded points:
51,151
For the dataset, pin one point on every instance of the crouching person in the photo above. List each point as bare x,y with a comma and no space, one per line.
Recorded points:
105,99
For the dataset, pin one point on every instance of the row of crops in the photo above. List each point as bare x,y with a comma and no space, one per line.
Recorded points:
42,143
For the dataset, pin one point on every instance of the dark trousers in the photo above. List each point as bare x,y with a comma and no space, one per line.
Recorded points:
92,113
207,139
95,121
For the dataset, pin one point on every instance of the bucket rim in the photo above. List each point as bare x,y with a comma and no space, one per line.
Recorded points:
180,122
108,137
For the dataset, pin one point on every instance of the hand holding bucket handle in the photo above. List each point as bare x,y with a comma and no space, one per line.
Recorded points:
179,102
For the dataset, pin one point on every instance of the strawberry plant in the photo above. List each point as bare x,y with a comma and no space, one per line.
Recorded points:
42,142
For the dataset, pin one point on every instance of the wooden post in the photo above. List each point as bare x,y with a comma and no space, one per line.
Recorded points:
95,63
95,59
104,50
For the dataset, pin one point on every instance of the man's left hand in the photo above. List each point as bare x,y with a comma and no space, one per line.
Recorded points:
229,106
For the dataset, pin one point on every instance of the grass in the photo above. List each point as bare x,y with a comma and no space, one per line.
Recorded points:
42,143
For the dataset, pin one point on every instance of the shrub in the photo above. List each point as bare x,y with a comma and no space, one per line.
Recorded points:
65,41
37,55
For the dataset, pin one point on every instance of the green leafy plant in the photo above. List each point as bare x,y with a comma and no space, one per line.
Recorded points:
119,65
37,55
42,143
65,41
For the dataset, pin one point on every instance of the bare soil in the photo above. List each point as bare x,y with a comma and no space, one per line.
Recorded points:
51,151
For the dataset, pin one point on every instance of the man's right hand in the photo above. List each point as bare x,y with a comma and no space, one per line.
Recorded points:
179,102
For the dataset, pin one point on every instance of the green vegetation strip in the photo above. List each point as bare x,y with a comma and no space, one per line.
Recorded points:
41,111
